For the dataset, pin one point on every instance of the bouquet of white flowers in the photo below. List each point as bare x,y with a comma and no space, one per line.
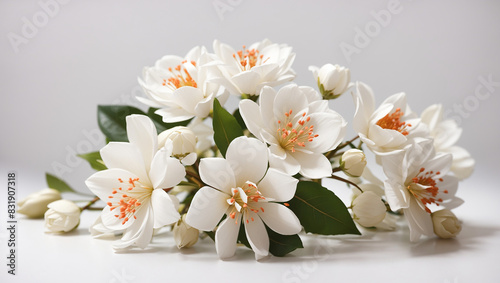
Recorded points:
254,176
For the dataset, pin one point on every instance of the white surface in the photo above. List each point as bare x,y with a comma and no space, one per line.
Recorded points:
90,54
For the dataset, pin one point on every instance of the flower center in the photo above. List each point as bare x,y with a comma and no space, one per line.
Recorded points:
392,121
125,201
244,199
180,77
248,58
424,188
290,135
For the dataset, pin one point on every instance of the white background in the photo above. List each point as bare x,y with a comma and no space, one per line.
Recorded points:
58,63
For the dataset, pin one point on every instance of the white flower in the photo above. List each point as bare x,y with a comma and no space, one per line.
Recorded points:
35,204
263,63
240,188
298,125
183,143
445,134
446,224
417,181
132,186
333,80
181,87
353,162
368,209
185,236
388,128
62,216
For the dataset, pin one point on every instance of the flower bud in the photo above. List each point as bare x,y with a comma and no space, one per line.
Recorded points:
368,209
333,80
353,162
35,205
185,236
446,224
62,216
183,141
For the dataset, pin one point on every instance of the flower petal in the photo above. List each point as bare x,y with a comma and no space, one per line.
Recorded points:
164,210
166,171
419,221
125,156
217,172
313,165
140,233
207,208
278,185
257,235
248,159
226,236
141,132
249,111
280,219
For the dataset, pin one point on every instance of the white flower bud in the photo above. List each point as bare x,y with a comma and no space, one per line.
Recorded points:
446,224
35,205
353,162
62,216
333,80
185,236
183,140
368,209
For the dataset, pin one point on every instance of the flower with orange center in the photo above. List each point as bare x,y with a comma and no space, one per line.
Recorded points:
388,128
418,184
133,185
245,72
243,188
181,87
299,127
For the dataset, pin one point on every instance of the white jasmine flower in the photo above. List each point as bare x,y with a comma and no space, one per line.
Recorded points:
417,182
263,63
445,134
368,209
63,216
181,87
185,236
242,188
388,128
446,224
353,162
183,143
298,125
132,186
35,204
333,80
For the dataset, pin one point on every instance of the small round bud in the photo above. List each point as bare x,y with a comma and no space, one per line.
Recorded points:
353,162
333,80
185,236
446,224
62,216
35,205
368,209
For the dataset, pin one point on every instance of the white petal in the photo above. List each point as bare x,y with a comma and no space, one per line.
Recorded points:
166,171
140,233
246,82
207,208
278,185
164,210
217,173
397,195
174,114
226,236
250,113
313,165
125,156
103,183
289,98
142,133
280,219
256,234
419,221
288,165
365,106
248,159
189,159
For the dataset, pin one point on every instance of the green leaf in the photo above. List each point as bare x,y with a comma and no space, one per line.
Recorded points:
94,159
57,184
280,245
111,120
237,116
226,128
320,211
162,126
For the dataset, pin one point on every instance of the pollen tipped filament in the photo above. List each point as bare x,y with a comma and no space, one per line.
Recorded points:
245,199
426,195
248,58
392,121
123,202
292,135
180,77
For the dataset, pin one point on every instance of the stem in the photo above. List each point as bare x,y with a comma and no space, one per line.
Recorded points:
346,181
332,153
90,204
193,177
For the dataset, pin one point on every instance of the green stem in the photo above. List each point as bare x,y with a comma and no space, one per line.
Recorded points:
90,204
346,181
